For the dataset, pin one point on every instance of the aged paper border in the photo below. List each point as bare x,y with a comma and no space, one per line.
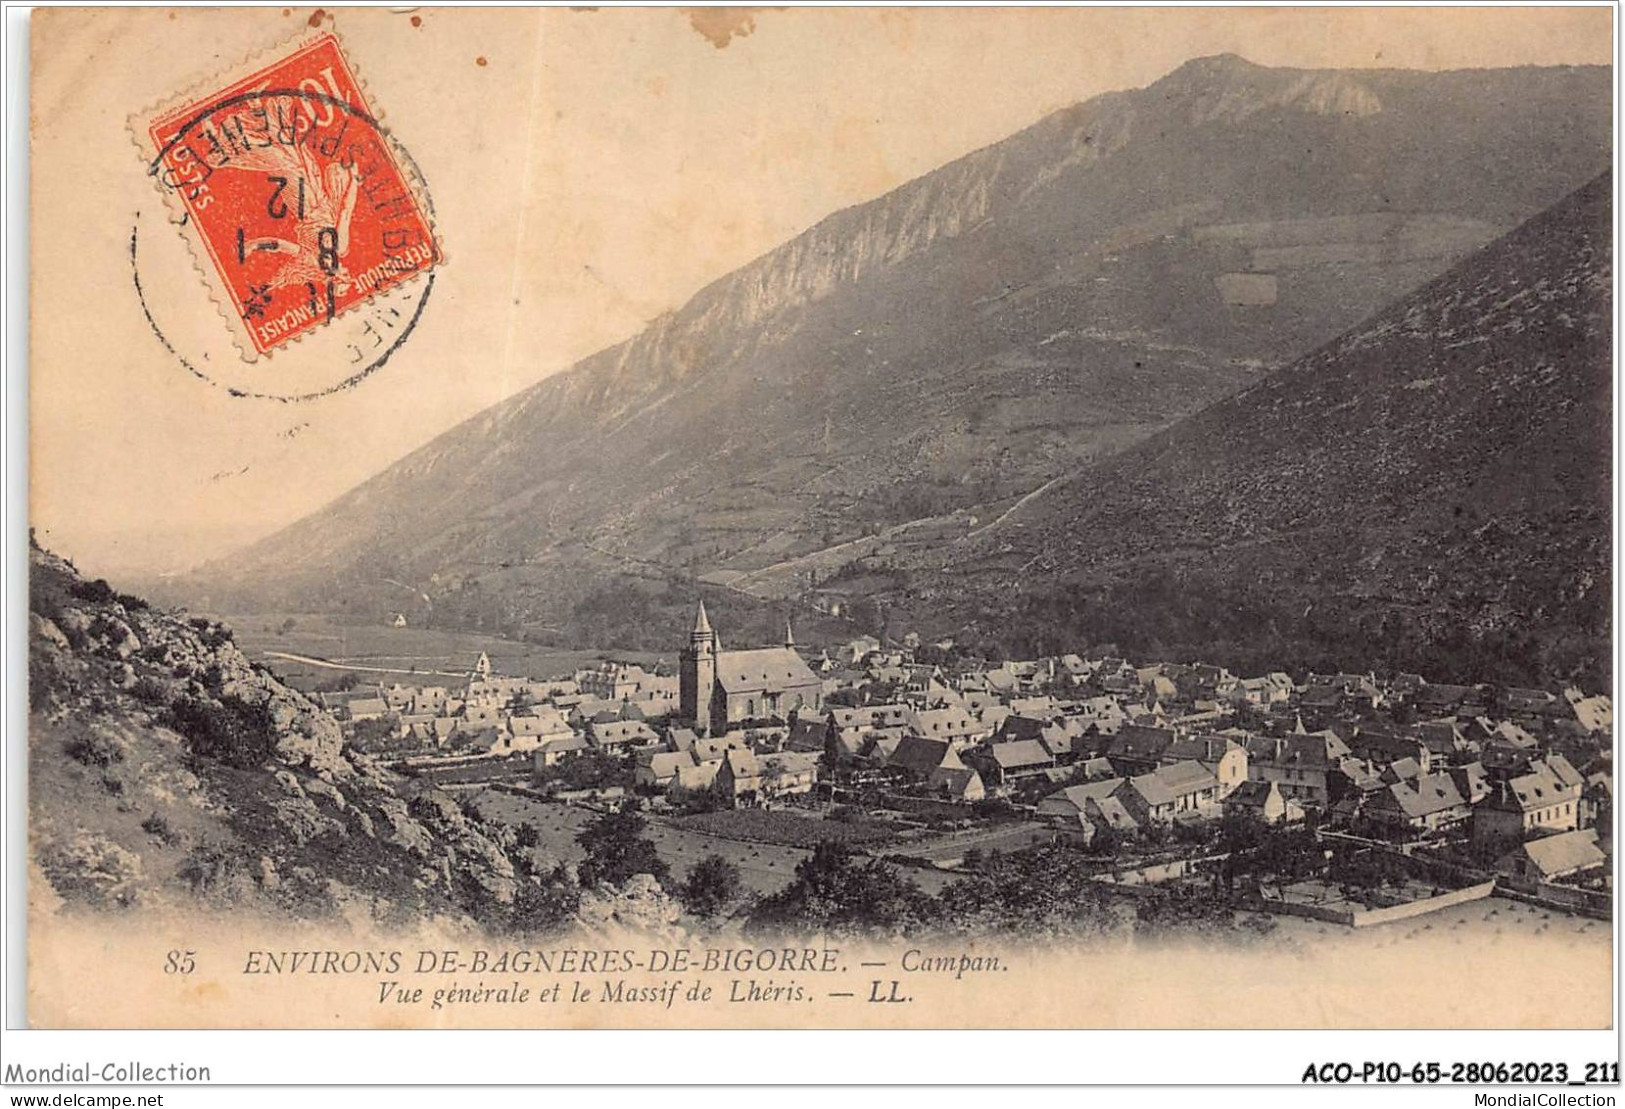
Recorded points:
17,431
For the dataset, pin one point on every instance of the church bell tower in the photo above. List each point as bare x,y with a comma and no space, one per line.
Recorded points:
698,675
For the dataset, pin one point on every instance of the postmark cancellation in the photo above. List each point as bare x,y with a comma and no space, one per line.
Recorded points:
297,204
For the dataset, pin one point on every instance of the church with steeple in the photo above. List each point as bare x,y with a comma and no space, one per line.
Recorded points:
719,690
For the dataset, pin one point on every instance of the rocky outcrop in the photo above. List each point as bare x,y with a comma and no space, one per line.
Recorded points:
94,868
640,906
129,807
170,658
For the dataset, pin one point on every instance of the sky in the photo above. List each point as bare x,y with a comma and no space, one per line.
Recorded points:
588,171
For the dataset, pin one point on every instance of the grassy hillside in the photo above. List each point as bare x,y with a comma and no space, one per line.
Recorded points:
1431,490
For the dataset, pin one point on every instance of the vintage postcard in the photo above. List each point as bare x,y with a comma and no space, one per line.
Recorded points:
822,518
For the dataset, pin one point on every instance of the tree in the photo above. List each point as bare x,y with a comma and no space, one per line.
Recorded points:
712,885
1046,891
1241,830
543,907
594,769
830,760
833,892
377,734
992,808
616,850
867,614
1107,840
1367,870
1185,908
1250,718
1285,855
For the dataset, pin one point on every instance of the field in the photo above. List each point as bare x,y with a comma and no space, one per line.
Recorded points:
788,829
763,867
1005,837
424,656
516,769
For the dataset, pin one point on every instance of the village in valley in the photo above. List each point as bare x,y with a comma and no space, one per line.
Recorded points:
1350,799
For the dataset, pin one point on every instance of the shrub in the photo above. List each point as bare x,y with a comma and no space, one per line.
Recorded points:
380,735
543,908
94,749
1185,908
696,801
212,634
588,770
150,690
1046,891
616,850
834,892
992,808
156,825
231,731
711,886
97,592
210,868
76,636
783,826
46,678
93,868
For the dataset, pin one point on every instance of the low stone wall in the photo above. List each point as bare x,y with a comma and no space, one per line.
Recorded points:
1426,905
1364,918
422,762
1596,904
520,791
587,796
1309,911
926,806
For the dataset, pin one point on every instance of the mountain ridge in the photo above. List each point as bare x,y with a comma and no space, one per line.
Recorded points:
1444,465
953,305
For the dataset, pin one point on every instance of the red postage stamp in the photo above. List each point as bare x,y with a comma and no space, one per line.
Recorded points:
293,193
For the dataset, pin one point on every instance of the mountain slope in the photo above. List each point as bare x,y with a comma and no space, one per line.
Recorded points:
168,772
957,342
1435,481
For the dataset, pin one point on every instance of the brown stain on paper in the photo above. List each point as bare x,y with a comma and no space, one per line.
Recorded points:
720,26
